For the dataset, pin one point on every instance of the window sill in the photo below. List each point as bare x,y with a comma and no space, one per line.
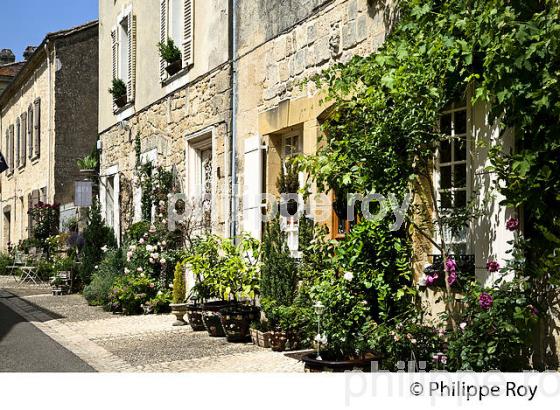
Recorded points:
171,79
35,159
21,168
117,111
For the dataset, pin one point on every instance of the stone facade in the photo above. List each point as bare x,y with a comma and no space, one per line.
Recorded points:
58,88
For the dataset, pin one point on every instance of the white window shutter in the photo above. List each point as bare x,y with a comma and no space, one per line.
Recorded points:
30,125
23,139
37,129
115,48
188,37
252,212
163,35
18,143
130,87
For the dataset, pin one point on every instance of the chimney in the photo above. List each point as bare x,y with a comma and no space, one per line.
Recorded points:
7,57
29,52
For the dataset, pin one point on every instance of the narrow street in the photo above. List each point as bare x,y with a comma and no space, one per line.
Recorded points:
24,348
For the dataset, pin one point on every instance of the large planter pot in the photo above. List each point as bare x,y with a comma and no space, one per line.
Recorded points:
174,67
278,340
312,365
121,101
179,310
194,315
264,339
211,318
236,321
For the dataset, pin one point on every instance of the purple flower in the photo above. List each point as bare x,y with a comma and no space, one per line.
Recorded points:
533,310
485,301
452,278
493,266
512,224
431,279
451,265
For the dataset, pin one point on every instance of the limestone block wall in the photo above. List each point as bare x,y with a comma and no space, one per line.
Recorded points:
166,126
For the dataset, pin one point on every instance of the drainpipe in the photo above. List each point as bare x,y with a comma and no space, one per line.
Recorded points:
49,131
234,108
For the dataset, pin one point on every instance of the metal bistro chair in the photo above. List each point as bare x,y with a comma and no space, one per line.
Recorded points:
17,263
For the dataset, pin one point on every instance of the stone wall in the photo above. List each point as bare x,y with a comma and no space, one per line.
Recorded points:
76,96
166,126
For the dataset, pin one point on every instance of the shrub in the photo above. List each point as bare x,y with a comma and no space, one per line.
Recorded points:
96,236
179,284
160,303
5,261
169,51
103,279
130,292
118,88
89,161
496,327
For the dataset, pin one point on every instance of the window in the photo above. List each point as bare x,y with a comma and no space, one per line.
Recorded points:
110,201
176,23
37,129
452,177
200,172
123,38
291,146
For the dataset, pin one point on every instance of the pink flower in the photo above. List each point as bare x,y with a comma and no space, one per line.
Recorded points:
493,266
533,310
512,224
485,301
452,278
431,280
463,326
450,265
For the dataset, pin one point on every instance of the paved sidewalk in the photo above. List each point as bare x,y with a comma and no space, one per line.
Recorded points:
113,343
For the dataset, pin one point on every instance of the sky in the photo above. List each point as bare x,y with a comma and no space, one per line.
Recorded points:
27,22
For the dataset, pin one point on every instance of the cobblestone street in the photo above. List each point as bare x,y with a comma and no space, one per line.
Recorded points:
112,343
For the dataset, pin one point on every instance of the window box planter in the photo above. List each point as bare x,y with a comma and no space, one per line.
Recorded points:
236,321
174,67
264,339
254,336
120,101
194,315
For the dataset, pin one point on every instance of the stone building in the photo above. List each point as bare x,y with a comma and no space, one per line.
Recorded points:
48,120
8,68
182,121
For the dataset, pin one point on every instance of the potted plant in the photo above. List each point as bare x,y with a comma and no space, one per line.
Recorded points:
194,315
171,55
88,164
179,307
288,183
118,91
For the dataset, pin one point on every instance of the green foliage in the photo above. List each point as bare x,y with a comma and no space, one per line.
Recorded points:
179,291
103,278
168,51
118,88
96,237
160,303
279,271
225,270
90,161
46,220
137,231
130,292
288,182
495,338
5,261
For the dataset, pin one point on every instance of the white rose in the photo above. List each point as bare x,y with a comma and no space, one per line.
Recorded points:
141,241
126,271
163,261
349,276
139,269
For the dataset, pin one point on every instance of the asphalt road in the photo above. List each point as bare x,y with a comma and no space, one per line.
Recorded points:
24,348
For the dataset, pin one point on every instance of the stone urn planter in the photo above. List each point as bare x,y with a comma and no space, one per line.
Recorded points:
179,310
236,321
194,315
314,365
174,67
211,318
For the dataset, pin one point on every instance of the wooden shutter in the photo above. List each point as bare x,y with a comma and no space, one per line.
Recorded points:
130,87
115,52
11,148
7,149
163,35
18,142
252,212
37,129
30,126
23,155
188,34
